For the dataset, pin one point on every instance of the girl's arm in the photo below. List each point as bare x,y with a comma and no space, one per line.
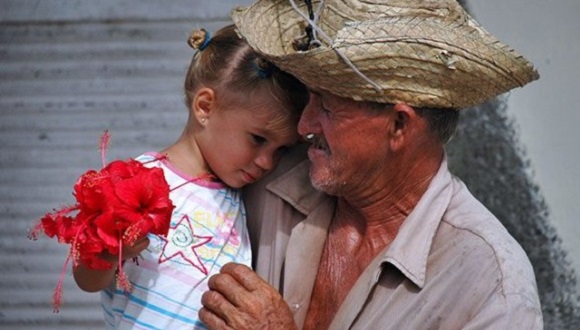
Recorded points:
93,280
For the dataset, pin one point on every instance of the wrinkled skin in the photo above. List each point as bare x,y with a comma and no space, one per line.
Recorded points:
239,299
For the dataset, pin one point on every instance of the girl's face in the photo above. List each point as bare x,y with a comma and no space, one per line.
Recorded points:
242,142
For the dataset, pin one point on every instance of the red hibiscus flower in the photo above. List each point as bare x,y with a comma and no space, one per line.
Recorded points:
117,205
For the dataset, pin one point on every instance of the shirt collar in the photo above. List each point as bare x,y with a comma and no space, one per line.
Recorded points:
295,188
410,249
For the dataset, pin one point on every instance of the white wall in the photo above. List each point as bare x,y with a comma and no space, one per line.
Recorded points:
547,111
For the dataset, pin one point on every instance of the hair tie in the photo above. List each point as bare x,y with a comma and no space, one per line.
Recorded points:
263,67
205,41
199,39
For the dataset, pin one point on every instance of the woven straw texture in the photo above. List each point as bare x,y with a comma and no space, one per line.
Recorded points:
423,53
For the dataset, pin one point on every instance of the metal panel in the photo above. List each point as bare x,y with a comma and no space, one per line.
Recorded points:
69,70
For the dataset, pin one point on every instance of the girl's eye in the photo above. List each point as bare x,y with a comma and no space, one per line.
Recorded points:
259,140
282,150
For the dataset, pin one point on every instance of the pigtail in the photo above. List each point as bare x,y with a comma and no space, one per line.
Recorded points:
228,64
199,39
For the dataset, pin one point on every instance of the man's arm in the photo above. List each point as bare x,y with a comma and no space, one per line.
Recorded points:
510,311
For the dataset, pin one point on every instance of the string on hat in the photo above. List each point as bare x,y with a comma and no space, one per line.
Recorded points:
311,30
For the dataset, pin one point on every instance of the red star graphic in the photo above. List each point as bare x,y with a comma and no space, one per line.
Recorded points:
181,241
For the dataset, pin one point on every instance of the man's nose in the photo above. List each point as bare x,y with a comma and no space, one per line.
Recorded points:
307,118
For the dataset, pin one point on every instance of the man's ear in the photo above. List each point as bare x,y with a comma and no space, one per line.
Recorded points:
204,102
403,117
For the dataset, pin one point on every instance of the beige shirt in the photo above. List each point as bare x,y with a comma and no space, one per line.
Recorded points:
451,266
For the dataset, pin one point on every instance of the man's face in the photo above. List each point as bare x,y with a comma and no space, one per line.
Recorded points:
350,143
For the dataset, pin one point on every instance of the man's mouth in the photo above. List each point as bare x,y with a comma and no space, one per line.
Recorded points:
318,143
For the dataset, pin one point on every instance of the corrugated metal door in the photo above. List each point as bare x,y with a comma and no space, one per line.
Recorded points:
69,70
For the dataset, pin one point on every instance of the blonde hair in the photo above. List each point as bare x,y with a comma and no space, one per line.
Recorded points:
227,64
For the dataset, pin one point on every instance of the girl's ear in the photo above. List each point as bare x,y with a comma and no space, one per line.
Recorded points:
204,102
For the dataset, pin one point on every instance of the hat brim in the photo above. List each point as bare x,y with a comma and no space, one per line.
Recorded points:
443,60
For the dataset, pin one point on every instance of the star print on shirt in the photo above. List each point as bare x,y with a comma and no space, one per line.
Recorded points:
182,242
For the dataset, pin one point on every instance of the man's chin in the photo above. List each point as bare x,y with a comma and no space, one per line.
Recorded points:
324,183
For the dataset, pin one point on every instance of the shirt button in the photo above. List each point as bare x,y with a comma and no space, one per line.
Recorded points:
294,307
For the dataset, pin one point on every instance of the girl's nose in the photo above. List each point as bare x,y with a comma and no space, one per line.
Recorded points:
265,161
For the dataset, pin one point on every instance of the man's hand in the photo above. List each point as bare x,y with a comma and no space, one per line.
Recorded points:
239,299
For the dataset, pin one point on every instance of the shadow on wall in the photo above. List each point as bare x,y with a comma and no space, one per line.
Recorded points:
487,156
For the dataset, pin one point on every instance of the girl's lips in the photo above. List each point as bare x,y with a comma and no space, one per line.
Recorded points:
248,177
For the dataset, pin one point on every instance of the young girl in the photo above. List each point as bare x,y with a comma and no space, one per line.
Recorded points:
243,113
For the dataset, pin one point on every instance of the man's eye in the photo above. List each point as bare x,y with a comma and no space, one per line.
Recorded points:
258,139
324,108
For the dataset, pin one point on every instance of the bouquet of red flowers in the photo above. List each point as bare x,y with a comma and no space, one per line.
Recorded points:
115,206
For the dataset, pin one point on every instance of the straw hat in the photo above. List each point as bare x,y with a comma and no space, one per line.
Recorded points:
426,53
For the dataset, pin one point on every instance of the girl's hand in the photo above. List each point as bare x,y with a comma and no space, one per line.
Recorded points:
129,251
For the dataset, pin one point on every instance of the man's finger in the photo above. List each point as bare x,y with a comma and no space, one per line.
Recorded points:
211,320
229,288
243,275
218,305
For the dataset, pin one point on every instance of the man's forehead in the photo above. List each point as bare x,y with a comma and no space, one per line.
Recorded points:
328,98
325,95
